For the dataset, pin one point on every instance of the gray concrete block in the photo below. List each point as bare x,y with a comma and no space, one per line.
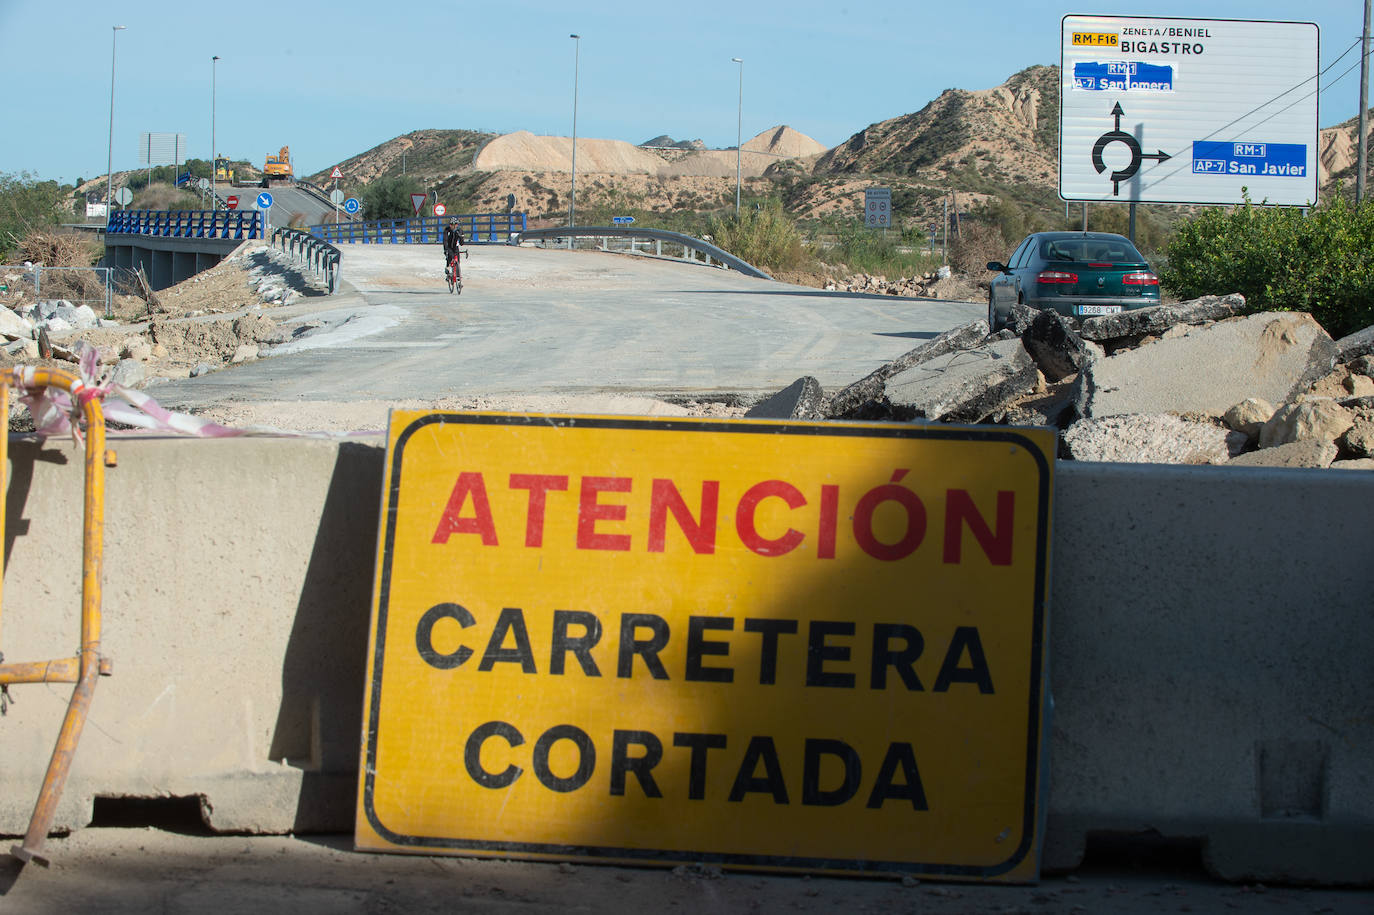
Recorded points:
1209,646
1156,319
965,386
849,400
802,399
1353,346
1055,346
1151,438
1310,453
1272,355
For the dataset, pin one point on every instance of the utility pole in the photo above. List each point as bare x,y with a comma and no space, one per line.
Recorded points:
1362,159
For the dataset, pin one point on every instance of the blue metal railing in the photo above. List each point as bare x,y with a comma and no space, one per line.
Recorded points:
187,224
477,229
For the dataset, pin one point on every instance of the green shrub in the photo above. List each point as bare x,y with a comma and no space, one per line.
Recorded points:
764,237
865,250
1281,261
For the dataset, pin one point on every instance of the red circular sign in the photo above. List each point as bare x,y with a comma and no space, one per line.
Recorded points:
232,201
440,209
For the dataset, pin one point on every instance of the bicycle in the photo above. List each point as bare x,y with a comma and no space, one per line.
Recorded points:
454,273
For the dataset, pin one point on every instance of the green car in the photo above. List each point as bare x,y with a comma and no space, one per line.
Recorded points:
1079,274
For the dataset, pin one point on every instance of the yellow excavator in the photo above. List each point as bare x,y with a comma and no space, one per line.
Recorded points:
277,168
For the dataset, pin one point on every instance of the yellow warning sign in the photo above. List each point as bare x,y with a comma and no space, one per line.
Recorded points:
777,645
1095,39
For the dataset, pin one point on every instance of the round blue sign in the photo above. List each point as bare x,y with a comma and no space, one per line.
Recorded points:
351,205
264,201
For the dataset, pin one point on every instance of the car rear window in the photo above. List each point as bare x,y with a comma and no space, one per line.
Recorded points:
1090,250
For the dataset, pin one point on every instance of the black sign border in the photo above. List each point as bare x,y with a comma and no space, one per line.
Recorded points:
1034,736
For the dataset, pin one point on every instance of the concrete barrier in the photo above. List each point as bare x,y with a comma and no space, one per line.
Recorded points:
1210,646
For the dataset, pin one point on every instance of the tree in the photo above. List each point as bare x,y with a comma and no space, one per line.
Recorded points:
28,205
389,198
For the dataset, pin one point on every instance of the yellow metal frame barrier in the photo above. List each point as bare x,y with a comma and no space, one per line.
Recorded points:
88,663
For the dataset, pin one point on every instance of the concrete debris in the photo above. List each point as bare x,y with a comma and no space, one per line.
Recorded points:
1321,419
848,402
1139,323
965,386
1189,383
1145,438
131,373
1358,440
201,368
1354,464
246,352
1249,416
1057,350
1271,355
802,399
1307,453
1352,347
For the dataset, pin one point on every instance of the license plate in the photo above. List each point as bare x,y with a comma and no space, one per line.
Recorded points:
1099,309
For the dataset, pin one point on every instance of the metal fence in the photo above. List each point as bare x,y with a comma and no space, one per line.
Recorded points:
91,286
188,224
318,255
477,229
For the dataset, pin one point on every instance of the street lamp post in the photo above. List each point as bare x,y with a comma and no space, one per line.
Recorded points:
572,201
739,130
109,161
214,148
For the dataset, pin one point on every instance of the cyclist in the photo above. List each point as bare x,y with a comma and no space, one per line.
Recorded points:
453,245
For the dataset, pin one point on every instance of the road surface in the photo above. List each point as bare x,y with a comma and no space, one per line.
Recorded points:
533,321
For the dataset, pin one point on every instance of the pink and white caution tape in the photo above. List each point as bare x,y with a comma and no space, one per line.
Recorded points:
53,409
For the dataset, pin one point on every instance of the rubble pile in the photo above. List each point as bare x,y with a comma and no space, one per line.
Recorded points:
1199,382
936,285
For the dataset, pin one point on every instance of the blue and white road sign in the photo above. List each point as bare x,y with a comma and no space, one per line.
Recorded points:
1122,76
622,220
1278,160
351,205
264,201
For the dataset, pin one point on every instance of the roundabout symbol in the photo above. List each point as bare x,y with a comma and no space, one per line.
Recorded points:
1117,135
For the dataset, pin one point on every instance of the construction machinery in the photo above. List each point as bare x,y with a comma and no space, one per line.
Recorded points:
277,168
222,170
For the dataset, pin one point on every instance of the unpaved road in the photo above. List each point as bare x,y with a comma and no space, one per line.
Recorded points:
578,325
128,871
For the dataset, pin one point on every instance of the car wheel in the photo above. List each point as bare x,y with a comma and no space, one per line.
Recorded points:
994,324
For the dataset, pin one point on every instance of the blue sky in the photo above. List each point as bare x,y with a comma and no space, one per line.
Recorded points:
334,79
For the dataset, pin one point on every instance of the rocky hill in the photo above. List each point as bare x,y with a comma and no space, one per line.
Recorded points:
967,147
429,155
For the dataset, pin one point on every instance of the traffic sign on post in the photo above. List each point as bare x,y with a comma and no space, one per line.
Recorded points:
591,637
417,201
622,220
336,174
264,201
336,196
440,209
352,205
878,207
232,202
1158,110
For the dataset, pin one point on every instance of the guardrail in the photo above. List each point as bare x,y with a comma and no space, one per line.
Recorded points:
477,229
694,250
305,248
187,224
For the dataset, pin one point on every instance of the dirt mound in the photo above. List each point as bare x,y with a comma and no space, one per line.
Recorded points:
784,142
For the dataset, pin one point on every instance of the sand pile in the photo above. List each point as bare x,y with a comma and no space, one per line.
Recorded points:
524,151
784,142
